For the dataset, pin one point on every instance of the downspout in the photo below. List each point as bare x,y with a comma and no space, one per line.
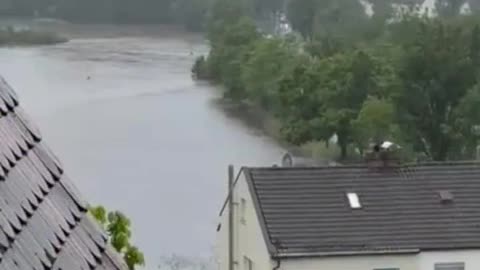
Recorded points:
277,246
231,259
279,263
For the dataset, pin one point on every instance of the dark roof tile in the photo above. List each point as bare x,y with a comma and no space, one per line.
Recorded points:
8,90
43,218
24,121
306,210
3,107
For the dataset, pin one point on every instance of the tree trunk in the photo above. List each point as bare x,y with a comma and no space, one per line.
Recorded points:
342,143
344,152
441,149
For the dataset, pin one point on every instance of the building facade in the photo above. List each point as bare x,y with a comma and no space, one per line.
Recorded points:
278,213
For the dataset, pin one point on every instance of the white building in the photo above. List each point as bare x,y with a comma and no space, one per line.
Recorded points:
362,217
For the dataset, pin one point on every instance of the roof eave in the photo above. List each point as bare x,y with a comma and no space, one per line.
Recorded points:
258,210
299,255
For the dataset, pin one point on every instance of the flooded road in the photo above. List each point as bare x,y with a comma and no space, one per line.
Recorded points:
137,134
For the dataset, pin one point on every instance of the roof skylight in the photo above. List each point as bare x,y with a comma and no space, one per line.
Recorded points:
354,200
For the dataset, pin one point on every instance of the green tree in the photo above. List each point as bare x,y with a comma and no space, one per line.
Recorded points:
270,61
375,122
300,104
468,123
347,80
118,227
230,53
436,72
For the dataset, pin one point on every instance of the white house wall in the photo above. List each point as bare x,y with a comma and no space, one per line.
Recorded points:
405,262
427,260
249,241
421,261
221,243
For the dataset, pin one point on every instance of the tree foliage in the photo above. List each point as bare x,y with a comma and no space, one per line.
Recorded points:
193,14
436,72
375,122
190,13
118,227
413,80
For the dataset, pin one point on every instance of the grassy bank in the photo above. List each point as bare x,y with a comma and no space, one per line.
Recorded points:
255,116
11,37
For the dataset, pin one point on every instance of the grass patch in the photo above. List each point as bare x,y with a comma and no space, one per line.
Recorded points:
256,117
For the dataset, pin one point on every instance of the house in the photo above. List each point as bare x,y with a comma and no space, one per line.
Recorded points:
372,216
43,219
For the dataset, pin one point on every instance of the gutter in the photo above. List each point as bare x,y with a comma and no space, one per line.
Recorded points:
299,255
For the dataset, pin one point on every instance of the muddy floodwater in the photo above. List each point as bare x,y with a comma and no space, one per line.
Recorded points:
135,132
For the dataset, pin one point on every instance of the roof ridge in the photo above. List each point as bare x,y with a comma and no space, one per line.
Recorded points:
365,165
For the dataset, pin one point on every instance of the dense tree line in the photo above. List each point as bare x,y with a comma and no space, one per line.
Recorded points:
190,13
403,77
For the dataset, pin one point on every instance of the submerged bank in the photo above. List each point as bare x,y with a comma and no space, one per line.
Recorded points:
24,37
267,124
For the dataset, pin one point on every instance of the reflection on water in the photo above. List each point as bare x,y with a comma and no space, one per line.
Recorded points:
137,134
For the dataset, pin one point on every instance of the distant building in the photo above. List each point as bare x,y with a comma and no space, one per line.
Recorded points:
43,219
373,216
282,26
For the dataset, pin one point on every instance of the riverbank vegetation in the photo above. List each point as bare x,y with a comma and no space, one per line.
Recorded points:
394,74
190,13
11,37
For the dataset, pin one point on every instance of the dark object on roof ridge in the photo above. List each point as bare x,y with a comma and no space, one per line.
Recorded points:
297,158
43,219
306,209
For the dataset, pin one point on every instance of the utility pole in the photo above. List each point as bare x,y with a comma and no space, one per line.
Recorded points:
231,219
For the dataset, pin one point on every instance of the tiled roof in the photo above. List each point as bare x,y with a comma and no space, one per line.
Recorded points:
43,219
305,211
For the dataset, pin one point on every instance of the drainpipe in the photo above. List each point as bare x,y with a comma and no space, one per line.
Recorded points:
277,245
231,259
279,263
